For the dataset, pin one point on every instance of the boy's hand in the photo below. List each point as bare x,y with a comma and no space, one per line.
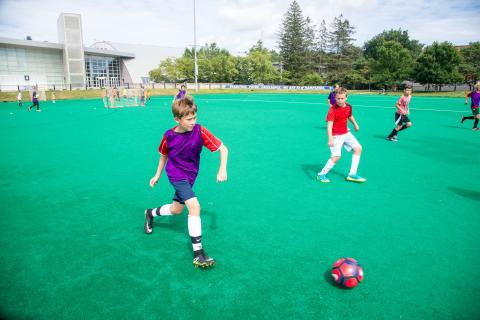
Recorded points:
330,142
221,176
356,127
154,181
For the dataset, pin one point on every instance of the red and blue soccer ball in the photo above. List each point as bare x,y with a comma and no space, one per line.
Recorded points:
347,272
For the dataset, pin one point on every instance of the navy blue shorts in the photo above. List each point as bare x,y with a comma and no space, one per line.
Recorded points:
183,191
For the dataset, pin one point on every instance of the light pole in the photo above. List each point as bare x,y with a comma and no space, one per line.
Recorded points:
195,46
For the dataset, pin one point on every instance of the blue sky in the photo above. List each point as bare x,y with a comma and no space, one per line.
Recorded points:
236,25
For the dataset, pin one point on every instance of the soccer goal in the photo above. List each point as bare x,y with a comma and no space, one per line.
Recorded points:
123,97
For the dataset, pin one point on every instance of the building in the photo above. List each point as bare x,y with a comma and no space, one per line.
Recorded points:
70,64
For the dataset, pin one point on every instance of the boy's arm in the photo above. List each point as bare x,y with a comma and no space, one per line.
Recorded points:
329,133
355,125
400,109
222,170
467,95
161,165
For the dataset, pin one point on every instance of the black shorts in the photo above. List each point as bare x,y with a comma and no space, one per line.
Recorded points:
401,119
183,191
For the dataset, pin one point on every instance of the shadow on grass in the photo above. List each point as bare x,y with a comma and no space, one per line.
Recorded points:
474,195
311,171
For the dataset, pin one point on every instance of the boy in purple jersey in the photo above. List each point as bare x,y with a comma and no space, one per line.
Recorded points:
181,93
331,97
180,155
475,98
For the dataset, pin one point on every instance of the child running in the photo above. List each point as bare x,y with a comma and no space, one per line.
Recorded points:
340,136
181,93
402,121
19,99
180,155
35,101
475,98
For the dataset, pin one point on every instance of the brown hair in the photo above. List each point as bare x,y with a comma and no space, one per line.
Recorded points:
184,107
340,90
408,86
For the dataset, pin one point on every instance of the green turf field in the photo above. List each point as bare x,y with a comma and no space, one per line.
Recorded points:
74,185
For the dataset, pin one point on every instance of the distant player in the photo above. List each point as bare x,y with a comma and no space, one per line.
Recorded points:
331,97
19,99
340,136
142,96
181,93
180,155
402,121
35,101
53,97
475,99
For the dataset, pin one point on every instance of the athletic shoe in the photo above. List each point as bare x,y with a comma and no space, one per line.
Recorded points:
39,110
355,178
475,129
203,261
394,138
323,178
148,226
28,109
463,119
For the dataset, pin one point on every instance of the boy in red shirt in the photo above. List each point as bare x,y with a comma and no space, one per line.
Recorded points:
340,136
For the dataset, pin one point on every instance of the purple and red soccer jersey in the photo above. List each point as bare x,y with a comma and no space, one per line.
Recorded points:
475,97
183,151
331,98
181,94
339,116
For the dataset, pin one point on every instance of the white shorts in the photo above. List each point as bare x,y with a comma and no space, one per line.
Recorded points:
346,140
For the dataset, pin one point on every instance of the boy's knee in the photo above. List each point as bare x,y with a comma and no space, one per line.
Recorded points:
409,124
358,149
176,208
335,159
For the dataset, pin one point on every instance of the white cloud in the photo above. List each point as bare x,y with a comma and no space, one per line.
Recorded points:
235,24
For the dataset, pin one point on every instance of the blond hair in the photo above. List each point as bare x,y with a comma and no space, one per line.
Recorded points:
184,107
340,90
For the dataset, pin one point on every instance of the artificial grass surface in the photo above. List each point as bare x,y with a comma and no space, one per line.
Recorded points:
74,184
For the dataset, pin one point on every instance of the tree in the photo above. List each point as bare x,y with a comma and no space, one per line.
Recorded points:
438,65
372,46
340,46
392,64
470,66
294,42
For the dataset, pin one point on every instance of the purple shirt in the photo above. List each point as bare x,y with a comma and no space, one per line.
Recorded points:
183,154
331,98
475,96
180,94
34,97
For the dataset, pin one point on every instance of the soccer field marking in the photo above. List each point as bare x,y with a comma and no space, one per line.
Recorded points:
317,103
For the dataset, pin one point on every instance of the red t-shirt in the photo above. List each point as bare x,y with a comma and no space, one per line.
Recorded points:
339,116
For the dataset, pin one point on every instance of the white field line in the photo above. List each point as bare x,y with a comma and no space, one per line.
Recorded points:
318,103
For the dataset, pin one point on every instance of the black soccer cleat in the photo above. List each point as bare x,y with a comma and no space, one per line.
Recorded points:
463,119
203,261
148,226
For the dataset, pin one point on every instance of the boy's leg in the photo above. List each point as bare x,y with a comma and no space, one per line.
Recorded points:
165,210
464,118
336,152
475,124
200,258
352,143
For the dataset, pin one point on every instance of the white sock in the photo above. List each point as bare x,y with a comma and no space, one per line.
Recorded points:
355,162
195,231
328,166
162,211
